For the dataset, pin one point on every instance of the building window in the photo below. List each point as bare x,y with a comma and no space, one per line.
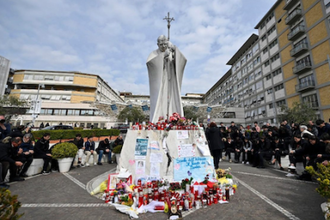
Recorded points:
305,60
249,54
270,31
256,61
263,37
269,91
311,100
272,44
38,77
229,115
28,77
69,78
265,50
327,3
274,58
271,15
278,87
270,105
259,85
255,48
280,103
266,63
48,77
276,72
269,76
243,61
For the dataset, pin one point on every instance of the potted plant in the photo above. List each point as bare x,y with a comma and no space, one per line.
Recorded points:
64,153
117,151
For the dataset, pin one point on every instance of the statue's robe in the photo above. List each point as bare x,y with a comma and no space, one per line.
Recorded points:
165,81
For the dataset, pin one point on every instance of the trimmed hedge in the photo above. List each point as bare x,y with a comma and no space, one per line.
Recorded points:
70,134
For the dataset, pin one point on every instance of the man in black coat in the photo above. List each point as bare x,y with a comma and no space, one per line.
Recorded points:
104,148
43,151
216,146
265,151
8,158
230,147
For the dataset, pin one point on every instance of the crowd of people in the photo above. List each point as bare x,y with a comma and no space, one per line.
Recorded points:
18,149
308,144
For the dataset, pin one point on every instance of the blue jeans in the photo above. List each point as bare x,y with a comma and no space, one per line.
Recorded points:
101,152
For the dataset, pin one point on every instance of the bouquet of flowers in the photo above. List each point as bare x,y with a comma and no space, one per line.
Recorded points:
186,181
176,119
175,186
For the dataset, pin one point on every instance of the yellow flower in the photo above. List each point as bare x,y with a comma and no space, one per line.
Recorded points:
132,186
235,186
223,180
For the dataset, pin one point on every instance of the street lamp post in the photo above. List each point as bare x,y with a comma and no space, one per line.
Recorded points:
34,116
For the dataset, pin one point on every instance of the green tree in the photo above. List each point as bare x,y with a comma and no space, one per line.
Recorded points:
190,113
133,114
11,105
300,113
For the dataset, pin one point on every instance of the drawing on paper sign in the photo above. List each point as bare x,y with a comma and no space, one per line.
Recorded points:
141,148
140,167
197,167
156,158
154,169
154,145
182,135
186,150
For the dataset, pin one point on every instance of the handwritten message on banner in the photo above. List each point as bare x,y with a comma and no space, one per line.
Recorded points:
196,167
186,150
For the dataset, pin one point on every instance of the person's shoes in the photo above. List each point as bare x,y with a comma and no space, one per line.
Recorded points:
87,164
54,171
260,167
95,164
230,161
82,165
281,168
254,165
243,162
220,160
4,186
23,175
271,163
16,179
45,173
99,163
292,167
248,163
236,161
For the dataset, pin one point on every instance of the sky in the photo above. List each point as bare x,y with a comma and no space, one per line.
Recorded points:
114,38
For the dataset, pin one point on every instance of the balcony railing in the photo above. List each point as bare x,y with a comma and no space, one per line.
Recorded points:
312,104
301,67
289,4
296,32
299,49
293,16
310,84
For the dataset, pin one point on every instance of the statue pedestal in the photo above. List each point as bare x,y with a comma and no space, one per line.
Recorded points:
158,154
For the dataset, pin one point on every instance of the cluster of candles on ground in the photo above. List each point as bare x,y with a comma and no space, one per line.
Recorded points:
198,195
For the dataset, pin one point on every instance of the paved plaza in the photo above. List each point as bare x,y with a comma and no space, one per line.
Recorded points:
262,194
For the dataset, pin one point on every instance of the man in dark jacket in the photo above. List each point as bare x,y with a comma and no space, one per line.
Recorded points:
79,142
4,128
322,127
278,148
297,152
216,146
8,159
265,151
42,151
26,155
118,141
315,150
230,147
104,148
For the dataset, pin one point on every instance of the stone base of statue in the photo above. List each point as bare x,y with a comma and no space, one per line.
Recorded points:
171,155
